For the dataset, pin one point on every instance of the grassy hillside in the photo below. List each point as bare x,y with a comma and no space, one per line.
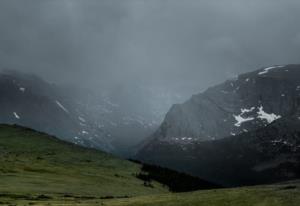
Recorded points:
36,169
34,164
287,194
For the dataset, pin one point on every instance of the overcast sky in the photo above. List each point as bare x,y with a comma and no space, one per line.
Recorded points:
172,43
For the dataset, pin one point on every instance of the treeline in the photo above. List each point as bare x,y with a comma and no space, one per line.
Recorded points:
175,181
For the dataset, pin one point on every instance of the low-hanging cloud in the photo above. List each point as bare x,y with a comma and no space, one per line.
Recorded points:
171,43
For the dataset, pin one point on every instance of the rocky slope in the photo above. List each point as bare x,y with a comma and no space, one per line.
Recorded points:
29,101
110,120
242,110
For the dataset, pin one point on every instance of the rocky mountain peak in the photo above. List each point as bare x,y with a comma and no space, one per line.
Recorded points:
248,102
243,131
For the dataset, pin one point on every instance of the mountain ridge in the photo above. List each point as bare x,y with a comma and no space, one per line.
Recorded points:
238,107
102,119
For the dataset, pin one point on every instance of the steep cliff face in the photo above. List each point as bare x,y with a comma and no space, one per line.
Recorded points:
250,101
236,133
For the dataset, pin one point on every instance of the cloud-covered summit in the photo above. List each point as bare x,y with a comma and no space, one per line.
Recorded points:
176,44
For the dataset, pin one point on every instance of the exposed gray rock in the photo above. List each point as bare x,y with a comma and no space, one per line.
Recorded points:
231,131
249,102
114,120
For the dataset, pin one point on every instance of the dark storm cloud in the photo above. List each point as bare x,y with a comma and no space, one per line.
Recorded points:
173,43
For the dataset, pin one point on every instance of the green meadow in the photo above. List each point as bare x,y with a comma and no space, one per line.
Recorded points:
37,169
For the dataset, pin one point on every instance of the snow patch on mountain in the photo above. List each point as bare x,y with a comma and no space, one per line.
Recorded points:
261,115
282,141
247,110
224,92
61,106
266,70
240,120
266,116
16,115
84,132
82,119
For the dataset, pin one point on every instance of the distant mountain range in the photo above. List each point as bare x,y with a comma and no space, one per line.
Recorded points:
244,131
110,120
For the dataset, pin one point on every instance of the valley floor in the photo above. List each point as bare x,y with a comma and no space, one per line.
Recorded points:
285,194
